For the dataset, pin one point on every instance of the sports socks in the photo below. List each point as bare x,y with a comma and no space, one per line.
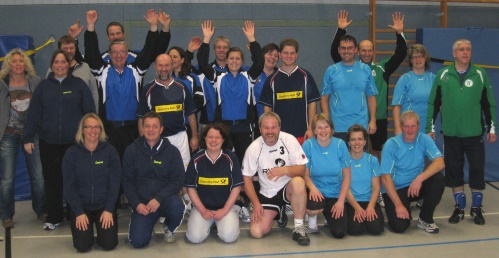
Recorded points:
476,199
298,222
312,221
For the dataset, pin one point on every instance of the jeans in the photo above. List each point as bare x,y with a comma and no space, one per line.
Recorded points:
9,148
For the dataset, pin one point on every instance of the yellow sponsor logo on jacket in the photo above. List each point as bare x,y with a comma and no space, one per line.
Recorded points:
290,95
213,181
169,108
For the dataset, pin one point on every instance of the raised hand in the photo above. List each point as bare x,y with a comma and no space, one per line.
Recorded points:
91,19
194,44
208,31
343,22
398,22
151,17
165,20
75,29
249,31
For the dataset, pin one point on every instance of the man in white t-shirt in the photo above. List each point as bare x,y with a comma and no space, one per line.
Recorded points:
279,161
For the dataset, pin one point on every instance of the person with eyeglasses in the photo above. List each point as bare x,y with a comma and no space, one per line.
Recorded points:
381,71
91,171
349,91
120,81
463,94
58,104
413,88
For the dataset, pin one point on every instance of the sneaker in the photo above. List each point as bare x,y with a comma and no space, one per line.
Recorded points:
8,223
288,209
50,226
476,215
313,230
300,235
381,201
244,215
457,215
283,218
428,227
419,204
169,236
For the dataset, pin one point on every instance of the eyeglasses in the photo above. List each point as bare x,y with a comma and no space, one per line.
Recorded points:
467,49
417,57
89,127
121,52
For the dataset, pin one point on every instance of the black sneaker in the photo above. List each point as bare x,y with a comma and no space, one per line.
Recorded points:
283,218
476,215
457,215
300,235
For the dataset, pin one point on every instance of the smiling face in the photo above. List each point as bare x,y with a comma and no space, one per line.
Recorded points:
118,54
271,59
288,55
163,66
323,131
221,48
214,140
418,61
270,129
410,128
152,130
70,49
60,66
91,130
17,64
347,52
357,142
114,32
177,60
235,61
366,51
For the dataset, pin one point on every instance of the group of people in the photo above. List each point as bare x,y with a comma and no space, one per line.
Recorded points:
92,129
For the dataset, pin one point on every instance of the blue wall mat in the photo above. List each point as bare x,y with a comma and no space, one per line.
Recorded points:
484,44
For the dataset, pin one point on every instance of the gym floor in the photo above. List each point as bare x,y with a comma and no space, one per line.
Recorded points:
464,239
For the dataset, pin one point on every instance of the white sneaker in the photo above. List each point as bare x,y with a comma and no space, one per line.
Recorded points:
169,236
50,226
313,230
428,227
244,215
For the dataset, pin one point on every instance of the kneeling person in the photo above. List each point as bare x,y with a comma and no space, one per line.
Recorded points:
153,174
406,180
213,181
279,160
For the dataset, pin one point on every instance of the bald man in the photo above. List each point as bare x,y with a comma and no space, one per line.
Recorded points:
380,71
171,99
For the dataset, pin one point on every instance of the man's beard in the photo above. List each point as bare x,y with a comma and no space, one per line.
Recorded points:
165,77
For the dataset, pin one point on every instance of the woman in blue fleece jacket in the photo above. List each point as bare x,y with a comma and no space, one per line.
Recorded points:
57,105
91,171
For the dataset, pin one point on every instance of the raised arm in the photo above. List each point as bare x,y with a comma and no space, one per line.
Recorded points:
164,35
74,31
256,51
204,51
400,50
92,52
343,24
192,47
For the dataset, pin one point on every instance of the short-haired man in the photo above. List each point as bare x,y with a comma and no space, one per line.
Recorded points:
291,92
405,178
172,100
381,71
463,93
349,91
153,174
279,161
120,82
115,31
78,68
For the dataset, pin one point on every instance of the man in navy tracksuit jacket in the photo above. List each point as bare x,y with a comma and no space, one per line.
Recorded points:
153,174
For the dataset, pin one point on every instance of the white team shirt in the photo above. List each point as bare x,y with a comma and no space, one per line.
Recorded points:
261,158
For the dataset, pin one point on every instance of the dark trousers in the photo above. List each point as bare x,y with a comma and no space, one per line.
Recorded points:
375,227
121,137
455,149
83,241
337,227
51,156
141,227
431,191
241,142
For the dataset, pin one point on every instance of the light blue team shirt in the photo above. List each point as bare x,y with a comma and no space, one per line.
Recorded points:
412,93
405,161
326,165
363,171
349,87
